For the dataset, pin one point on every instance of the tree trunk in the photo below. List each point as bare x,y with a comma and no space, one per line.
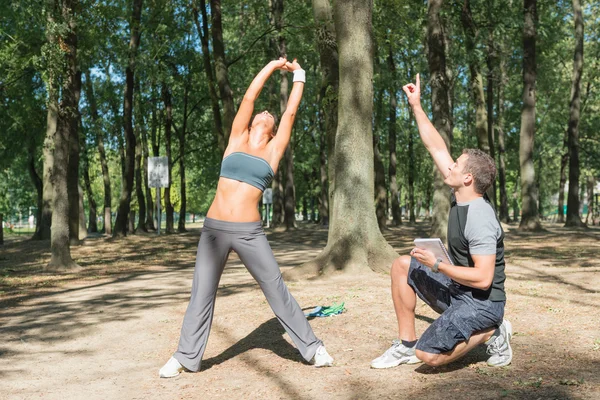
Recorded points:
145,154
1,229
73,169
91,99
412,218
208,69
121,222
38,184
380,191
394,193
168,127
573,218
491,61
289,194
477,95
43,233
221,69
93,224
354,243
529,193
504,215
183,194
440,104
139,182
328,107
67,118
591,183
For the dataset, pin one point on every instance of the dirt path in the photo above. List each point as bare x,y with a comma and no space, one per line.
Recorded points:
105,332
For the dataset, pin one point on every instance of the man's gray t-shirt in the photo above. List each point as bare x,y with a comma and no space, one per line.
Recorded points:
473,229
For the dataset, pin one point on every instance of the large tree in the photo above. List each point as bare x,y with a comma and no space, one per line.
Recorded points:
67,120
328,97
573,218
440,107
529,193
354,243
122,221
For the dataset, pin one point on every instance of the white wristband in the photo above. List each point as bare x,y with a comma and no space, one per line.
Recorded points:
299,75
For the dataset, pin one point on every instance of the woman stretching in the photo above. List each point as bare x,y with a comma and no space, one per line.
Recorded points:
233,223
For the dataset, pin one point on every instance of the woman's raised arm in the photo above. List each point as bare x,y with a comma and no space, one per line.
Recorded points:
284,132
244,114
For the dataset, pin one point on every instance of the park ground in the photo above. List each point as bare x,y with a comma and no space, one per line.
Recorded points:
104,331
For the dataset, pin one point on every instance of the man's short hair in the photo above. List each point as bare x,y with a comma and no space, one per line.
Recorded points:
482,167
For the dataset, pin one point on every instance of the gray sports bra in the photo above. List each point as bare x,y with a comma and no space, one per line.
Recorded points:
247,168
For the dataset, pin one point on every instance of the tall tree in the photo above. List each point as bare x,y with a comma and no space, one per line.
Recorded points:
380,190
440,106
139,168
328,96
354,243
573,218
471,33
122,220
43,233
529,194
73,169
182,134
87,183
99,136
208,70
502,80
289,194
221,68
166,94
394,192
67,112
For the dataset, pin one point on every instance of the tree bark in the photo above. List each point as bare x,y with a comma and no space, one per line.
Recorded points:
354,243
43,233
91,98
440,103
380,190
289,195
38,184
145,154
183,194
139,182
67,118
221,69
328,107
591,183
208,69
168,128
504,215
412,218
93,224
73,169
476,78
573,217
121,223
491,61
396,215
529,192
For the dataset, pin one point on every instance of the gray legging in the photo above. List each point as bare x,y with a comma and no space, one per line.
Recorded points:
248,240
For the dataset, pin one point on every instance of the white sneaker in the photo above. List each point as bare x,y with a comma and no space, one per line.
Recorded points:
322,358
171,369
396,355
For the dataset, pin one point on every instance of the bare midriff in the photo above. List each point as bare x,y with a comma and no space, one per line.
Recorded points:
235,202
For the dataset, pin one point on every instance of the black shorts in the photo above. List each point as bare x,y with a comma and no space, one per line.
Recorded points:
461,314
